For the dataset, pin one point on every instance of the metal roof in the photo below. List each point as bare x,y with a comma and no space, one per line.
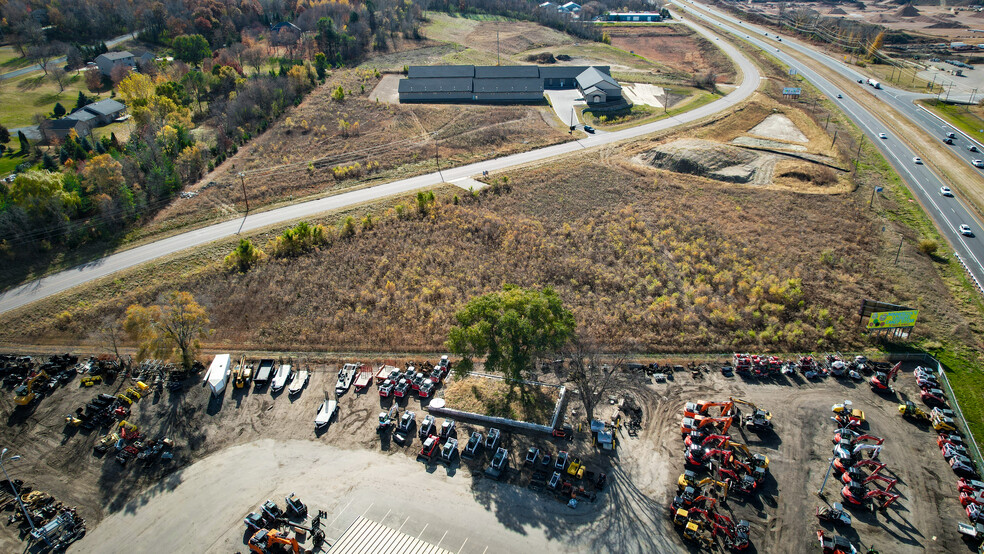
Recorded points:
105,107
81,115
435,85
569,71
365,536
117,55
508,85
592,77
440,71
507,72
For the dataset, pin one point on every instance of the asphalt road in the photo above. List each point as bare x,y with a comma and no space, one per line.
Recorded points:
947,213
58,282
37,67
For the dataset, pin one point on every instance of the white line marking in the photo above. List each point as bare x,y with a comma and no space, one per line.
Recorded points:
463,545
442,538
404,523
422,530
340,513
367,509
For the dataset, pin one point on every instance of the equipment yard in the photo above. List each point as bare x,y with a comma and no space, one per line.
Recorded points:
250,446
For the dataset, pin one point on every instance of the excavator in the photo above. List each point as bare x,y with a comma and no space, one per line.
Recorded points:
759,420
851,437
701,407
742,451
689,424
25,395
692,439
847,478
736,534
880,380
858,494
270,541
689,479
845,411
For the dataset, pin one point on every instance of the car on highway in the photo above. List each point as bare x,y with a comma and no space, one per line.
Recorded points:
882,136
945,191
948,140
917,160
951,135
978,163
973,148
839,96
589,129
965,230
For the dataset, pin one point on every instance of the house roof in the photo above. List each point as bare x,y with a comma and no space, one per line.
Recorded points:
113,56
591,90
440,71
64,123
105,107
593,77
571,5
436,85
569,71
507,72
81,115
508,85
281,25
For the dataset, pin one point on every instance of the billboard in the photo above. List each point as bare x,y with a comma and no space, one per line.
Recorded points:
893,320
792,91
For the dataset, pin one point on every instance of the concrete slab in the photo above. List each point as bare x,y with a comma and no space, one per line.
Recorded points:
469,184
643,93
564,103
387,90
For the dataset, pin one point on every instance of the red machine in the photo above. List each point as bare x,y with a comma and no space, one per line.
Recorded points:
880,381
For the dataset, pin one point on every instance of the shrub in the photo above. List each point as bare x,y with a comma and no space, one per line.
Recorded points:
245,256
348,227
299,239
338,95
928,246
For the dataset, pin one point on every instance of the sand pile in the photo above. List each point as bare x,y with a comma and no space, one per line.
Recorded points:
836,11
907,10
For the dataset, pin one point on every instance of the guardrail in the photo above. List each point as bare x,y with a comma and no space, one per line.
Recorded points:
970,273
961,420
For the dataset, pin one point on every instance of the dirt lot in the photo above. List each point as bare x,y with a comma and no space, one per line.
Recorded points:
675,46
259,446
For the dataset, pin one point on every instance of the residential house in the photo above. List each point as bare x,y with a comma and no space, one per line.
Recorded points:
60,129
110,60
598,87
105,111
571,8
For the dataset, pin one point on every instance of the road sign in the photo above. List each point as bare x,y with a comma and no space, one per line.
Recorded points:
792,91
793,71
893,320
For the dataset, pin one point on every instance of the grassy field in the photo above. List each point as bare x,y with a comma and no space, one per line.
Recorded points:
23,97
885,74
969,119
11,60
10,161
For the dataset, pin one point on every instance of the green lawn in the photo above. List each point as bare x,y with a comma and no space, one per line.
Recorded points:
22,98
10,59
958,115
8,162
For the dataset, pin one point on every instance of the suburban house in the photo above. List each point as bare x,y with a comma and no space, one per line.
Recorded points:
59,129
83,120
550,6
649,17
489,84
598,87
105,111
571,8
277,27
108,61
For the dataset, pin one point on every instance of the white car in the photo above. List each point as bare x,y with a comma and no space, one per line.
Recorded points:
945,191
965,231
917,161
978,163
882,136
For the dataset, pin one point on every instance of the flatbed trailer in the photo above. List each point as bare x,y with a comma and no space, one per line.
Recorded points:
264,372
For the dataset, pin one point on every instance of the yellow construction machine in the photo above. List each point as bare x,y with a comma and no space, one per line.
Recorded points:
24,395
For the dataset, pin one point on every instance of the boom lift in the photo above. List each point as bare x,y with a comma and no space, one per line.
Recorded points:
270,541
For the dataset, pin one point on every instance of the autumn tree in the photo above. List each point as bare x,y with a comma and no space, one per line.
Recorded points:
511,328
103,175
876,44
254,57
174,327
93,80
119,72
40,193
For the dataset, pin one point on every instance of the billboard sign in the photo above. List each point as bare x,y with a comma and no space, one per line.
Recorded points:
792,91
893,320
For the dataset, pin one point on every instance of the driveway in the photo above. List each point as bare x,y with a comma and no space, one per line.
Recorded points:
563,102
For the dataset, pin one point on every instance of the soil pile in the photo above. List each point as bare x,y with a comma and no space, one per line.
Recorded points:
836,11
907,10
710,159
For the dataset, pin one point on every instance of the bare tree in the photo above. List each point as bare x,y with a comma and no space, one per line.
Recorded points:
593,372
60,77
119,72
110,335
254,56
42,54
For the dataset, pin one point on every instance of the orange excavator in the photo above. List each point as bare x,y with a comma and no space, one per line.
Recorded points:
270,541
690,423
701,407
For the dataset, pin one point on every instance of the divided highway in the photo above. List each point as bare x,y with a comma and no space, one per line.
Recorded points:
62,281
948,213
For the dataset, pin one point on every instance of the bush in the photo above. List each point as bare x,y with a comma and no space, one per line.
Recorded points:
928,246
299,239
338,95
245,256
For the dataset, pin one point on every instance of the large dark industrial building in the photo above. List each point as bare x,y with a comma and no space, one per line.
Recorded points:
510,84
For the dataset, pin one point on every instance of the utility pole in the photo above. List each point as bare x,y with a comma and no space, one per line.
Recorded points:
437,158
972,94
824,484
827,123
872,200
899,251
496,43
13,489
835,138
948,92
242,180
572,120
857,159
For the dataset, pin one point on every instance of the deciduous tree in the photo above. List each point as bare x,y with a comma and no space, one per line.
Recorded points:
511,329
60,77
191,49
174,327
103,175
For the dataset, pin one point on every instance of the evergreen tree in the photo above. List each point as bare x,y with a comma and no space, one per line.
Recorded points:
25,145
59,110
48,163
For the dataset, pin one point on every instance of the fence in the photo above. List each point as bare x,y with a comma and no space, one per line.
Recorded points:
961,420
967,269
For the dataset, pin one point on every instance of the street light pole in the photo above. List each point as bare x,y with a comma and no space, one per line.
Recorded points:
14,490
242,180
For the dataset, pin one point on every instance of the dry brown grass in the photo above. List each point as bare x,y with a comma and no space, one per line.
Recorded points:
497,398
677,47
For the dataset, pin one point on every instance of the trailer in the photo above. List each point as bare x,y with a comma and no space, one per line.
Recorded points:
363,378
284,373
218,374
298,384
264,372
345,377
385,372
874,84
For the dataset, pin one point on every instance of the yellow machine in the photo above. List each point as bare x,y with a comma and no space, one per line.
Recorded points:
909,409
142,386
942,423
239,375
125,399
90,380
695,532
846,409
24,394
133,393
756,460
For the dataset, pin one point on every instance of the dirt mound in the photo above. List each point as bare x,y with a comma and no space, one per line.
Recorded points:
882,18
979,15
713,160
836,11
946,25
907,10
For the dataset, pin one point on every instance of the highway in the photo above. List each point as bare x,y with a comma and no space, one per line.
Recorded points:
35,290
948,213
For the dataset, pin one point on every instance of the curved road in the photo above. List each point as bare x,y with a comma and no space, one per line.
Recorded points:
947,212
53,284
37,67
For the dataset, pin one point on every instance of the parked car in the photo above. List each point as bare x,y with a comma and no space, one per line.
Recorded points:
532,455
561,463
